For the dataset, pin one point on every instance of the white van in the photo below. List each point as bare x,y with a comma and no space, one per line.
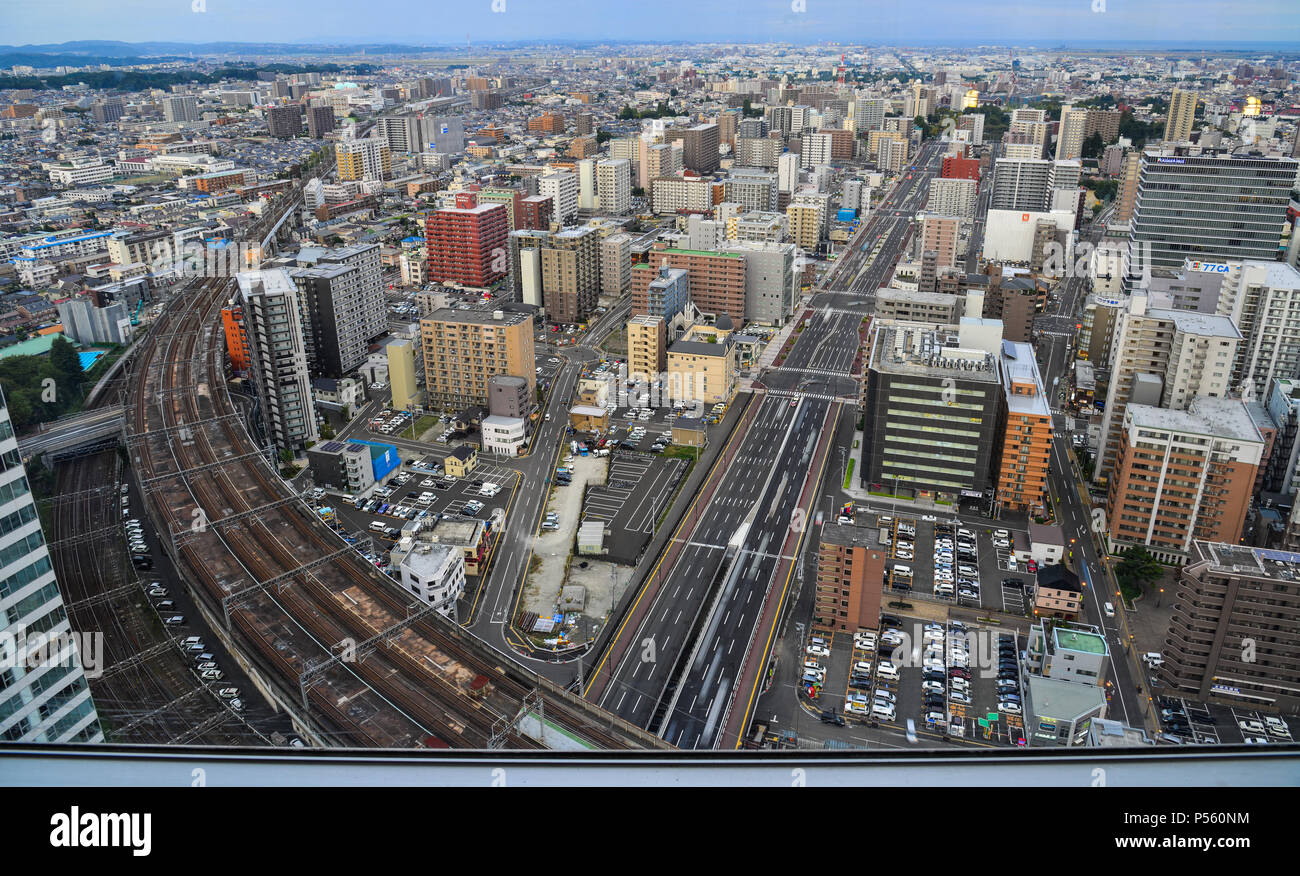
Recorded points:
1152,659
1109,609
377,526
905,571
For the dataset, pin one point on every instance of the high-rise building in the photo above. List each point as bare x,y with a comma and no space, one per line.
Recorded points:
954,167
869,113
939,234
468,243
850,568
815,150
570,266
933,409
1263,299
369,159
562,188
615,264
1072,133
753,189
1021,184
272,319
284,122
953,197
108,110
586,170
770,286
757,151
647,350
43,692
1130,170
320,121
464,348
1182,115
614,186
1207,207
1231,636
1182,475
341,302
1165,358
182,108
699,146
1027,433
717,280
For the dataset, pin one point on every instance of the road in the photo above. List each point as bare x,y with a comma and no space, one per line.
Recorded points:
680,670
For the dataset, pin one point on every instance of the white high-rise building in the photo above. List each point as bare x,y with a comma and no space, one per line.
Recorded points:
952,197
869,113
787,172
279,356
182,108
43,696
815,151
587,184
1069,139
561,187
614,186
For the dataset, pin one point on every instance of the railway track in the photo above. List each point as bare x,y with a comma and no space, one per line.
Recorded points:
417,680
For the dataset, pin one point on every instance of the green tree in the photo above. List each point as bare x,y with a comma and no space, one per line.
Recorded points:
1137,568
1092,146
749,110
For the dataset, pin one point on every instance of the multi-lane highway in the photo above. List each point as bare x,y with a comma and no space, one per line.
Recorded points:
679,667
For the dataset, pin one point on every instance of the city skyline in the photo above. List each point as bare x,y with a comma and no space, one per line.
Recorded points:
948,22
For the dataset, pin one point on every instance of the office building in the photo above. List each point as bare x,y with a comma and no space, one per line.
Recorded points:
932,409
463,349
1231,636
273,322
1210,207
468,243
770,282
1182,475
1182,116
44,696
1130,170
905,305
702,364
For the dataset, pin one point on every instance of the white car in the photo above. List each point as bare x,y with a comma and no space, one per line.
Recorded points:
817,651
853,708
959,697
865,642
959,683
885,696
1009,707
862,666
1277,726
934,687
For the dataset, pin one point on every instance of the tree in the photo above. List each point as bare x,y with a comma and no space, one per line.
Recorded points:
749,111
1137,568
1092,146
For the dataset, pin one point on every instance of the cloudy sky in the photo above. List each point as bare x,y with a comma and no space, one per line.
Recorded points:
424,22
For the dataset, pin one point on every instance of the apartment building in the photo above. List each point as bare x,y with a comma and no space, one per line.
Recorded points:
1027,434
717,279
615,264
953,197
404,391
956,167
1163,358
1232,636
850,578
320,121
341,300
941,235
1130,170
464,348
468,243
536,212
869,113
699,146
614,186
44,696
806,216
182,108
757,227
369,159
753,189
1182,116
675,194
284,122
1263,299
647,347
272,320
815,150
757,151
570,270
562,188
1190,205
893,155
933,398
1182,475
1071,133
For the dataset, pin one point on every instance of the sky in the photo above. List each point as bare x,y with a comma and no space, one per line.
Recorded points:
437,22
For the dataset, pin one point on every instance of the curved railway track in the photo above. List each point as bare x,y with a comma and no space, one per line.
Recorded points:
421,681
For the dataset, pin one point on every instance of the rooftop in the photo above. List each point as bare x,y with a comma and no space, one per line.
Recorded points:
1063,700
1216,417
1078,640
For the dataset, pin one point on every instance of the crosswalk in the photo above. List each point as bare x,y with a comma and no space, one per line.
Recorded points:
786,393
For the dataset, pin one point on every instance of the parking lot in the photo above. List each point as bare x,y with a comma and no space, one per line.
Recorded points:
637,489
950,561
1185,721
954,679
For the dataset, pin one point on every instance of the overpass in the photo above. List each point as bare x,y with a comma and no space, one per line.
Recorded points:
86,432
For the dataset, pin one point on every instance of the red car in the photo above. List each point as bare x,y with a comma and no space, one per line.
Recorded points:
1033,566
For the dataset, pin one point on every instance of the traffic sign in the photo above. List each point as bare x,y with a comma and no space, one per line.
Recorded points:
983,723
993,716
